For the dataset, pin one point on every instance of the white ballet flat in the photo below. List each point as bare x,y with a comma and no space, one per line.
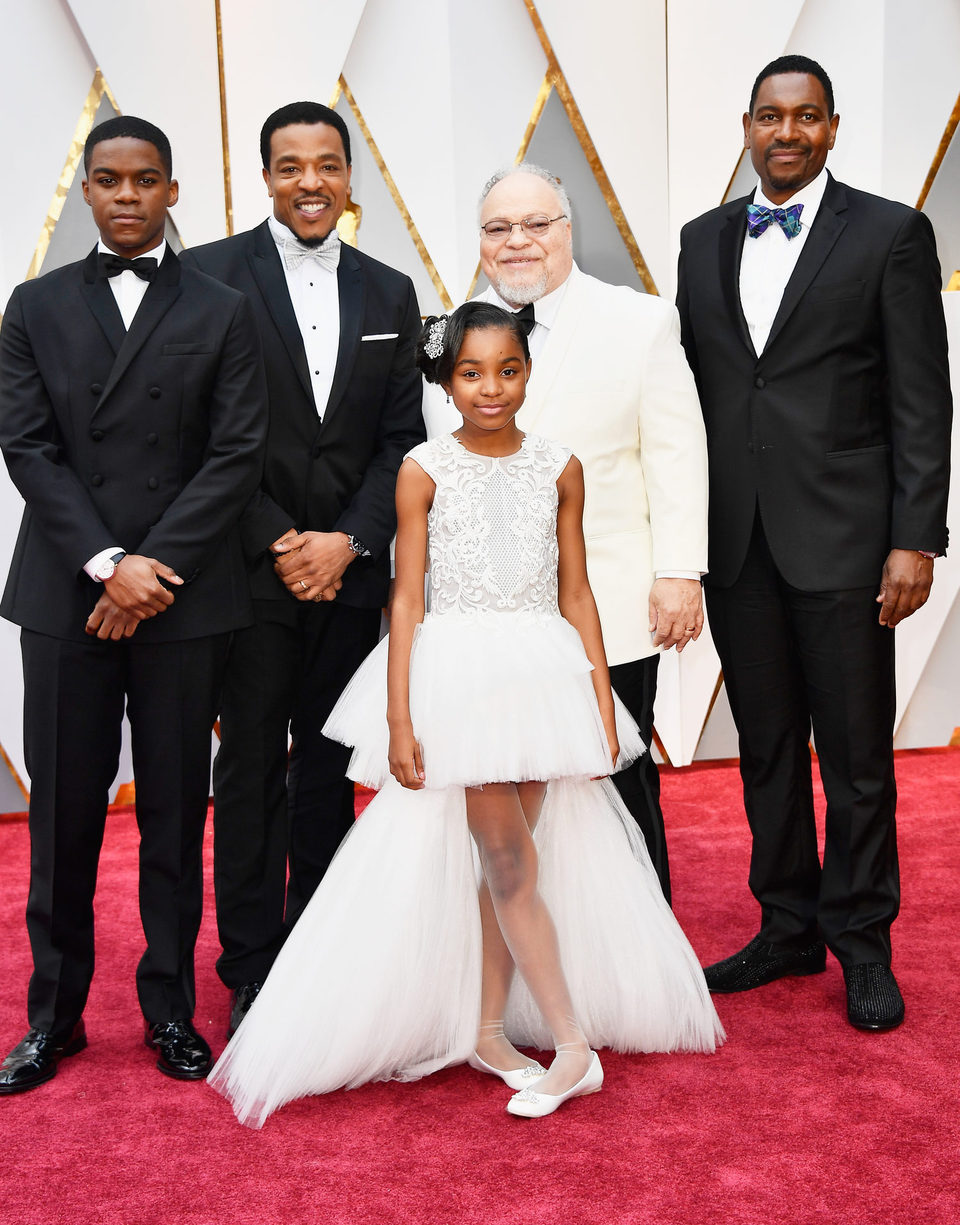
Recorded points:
513,1078
529,1104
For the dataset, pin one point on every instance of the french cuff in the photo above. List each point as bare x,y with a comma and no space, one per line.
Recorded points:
94,564
696,575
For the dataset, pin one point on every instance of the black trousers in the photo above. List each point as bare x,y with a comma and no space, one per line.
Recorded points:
287,671
639,784
74,697
792,659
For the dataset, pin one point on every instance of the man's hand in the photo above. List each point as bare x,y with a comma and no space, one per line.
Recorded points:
311,564
109,621
135,588
904,585
676,612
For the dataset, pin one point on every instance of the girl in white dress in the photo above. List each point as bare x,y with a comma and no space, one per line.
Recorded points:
498,844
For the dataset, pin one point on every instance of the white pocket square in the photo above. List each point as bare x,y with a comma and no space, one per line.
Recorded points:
382,336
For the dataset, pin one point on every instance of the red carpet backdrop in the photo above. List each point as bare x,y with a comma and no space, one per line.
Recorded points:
798,1120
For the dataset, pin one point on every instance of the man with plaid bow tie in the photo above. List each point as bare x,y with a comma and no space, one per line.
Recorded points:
812,320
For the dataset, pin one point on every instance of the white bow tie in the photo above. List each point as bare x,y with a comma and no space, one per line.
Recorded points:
327,255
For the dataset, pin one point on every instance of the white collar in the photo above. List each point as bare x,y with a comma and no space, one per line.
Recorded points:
545,308
810,196
156,253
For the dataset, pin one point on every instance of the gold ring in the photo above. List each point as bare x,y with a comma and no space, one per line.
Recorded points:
302,584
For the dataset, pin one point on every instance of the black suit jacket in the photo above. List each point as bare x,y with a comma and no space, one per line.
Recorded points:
840,429
150,439
338,475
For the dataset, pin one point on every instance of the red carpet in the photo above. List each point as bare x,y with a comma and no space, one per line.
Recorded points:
799,1119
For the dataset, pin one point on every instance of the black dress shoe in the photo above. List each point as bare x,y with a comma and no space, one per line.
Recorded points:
873,998
243,997
183,1053
35,1059
761,962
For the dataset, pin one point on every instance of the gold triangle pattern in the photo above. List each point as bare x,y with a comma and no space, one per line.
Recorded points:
344,89
555,79
224,136
67,175
14,773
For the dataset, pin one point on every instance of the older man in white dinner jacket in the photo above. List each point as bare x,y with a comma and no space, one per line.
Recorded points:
611,381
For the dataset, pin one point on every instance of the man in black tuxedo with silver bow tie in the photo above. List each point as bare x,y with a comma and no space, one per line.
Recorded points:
132,421
812,320
338,331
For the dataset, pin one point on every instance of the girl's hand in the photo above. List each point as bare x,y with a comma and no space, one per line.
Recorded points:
406,759
613,744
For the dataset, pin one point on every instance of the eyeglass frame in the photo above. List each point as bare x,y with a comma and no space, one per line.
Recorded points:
522,224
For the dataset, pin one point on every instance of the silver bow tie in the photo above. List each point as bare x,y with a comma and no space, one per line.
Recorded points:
327,255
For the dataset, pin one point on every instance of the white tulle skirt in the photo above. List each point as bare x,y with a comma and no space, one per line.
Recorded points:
380,978
503,697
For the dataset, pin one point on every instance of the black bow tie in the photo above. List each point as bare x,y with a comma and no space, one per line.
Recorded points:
109,265
528,320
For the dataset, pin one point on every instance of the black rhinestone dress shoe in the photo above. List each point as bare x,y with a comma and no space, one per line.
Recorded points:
761,962
35,1059
243,997
873,998
183,1053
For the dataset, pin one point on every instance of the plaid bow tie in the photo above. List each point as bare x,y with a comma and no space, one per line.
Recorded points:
327,255
759,217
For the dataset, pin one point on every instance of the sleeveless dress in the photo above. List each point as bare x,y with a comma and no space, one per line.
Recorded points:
380,978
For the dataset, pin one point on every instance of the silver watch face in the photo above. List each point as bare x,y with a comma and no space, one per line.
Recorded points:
106,570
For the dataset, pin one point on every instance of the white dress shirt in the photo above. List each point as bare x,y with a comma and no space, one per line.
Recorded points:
128,291
768,261
315,296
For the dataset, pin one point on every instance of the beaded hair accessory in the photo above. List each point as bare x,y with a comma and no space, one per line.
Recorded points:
434,343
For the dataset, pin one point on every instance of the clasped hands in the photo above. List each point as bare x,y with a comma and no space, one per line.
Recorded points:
132,595
311,564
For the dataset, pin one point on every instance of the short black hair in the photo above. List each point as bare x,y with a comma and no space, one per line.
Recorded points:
471,317
136,129
301,112
794,63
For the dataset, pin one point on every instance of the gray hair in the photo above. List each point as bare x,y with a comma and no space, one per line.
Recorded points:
525,168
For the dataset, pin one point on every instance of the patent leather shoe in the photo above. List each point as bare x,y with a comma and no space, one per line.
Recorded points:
183,1054
874,1001
761,963
35,1059
243,997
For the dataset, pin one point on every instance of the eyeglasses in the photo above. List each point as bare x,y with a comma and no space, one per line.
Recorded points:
534,227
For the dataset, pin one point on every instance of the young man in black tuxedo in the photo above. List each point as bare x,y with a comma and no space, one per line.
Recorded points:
812,319
132,420
338,331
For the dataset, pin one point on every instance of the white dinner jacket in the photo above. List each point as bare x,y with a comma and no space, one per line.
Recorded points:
613,384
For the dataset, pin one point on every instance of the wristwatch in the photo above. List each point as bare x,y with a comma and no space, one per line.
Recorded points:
357,546
107,568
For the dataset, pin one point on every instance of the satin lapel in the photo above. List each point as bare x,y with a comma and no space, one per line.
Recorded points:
103,305
548,368
268,273
160,296
826,229
730,251
351,291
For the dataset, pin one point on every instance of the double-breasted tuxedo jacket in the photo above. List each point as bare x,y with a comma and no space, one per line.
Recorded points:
148,439
826,451
338,474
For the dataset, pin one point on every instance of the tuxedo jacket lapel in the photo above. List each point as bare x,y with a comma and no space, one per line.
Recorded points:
161,294
103,305
828,225
268,273
730,249
350,289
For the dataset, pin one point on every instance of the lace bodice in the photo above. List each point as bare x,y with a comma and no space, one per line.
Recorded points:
493,526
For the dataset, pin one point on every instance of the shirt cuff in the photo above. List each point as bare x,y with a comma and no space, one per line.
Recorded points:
94,564
696,575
